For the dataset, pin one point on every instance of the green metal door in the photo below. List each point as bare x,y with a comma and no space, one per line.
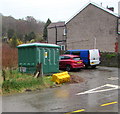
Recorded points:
49,59
46,60
54,62
43,58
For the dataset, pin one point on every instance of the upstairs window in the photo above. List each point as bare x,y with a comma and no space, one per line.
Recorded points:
63,47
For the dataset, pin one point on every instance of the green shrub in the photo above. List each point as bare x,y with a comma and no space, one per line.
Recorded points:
110,55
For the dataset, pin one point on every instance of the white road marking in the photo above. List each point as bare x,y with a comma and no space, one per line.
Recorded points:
113,78
112,87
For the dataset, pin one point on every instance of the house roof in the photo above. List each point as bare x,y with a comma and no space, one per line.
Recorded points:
98,6
57,24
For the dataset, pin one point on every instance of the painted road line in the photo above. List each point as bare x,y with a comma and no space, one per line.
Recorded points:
114,86
113,78
95,90
106,104
81,110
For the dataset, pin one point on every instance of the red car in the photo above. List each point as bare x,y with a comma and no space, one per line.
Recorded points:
69,62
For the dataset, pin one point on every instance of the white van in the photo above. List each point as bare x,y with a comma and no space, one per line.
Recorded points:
90,57
94,57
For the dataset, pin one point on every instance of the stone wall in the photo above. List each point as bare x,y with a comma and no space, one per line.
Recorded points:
110,59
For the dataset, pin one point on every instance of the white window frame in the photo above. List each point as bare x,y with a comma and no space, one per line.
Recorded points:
64,32
62,47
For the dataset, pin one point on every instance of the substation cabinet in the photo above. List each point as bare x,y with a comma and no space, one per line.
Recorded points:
32,54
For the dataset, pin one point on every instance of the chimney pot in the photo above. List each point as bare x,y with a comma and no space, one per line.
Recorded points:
110,8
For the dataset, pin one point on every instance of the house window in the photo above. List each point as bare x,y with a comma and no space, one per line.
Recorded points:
64,32
62,47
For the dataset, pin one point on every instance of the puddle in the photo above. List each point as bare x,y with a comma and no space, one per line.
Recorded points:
62,93
56,109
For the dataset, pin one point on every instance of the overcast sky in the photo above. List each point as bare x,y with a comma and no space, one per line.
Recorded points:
56,10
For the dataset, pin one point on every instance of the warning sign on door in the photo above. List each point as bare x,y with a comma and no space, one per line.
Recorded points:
46,54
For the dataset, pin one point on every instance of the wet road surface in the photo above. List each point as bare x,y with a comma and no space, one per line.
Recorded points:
98,93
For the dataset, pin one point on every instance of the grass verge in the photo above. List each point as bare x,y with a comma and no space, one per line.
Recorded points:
17,82
1,80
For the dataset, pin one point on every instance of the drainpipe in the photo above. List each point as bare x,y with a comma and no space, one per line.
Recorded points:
94,42
118,33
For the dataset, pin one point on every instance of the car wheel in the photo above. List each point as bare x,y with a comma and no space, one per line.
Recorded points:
68,68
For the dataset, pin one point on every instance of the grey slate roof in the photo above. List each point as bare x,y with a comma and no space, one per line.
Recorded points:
57,24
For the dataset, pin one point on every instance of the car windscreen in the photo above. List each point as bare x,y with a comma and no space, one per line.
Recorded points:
76,58
76,53
63,57
67,52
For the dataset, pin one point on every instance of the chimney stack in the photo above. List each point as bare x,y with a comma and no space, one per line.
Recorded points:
110,8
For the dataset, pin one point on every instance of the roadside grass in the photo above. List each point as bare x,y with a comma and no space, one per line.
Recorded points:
18,82
1,81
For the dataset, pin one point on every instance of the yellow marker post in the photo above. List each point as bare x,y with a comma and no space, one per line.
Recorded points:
106,104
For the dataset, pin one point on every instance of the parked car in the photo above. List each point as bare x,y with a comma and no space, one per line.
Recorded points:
69,62
90,57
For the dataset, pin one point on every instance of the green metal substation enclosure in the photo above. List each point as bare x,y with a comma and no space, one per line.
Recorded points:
29,55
